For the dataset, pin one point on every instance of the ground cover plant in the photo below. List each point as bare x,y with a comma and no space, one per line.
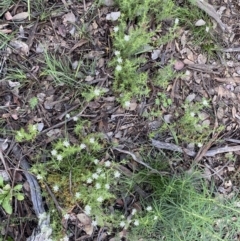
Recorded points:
113,124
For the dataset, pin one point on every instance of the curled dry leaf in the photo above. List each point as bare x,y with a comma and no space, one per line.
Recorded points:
113,16
20,16
200,22
86,222
8,16
20,47
155,54
69,17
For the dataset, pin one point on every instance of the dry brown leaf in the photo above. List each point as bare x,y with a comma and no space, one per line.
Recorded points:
19,46
69,17
86,222
228,79
20,16
8,16
113,16
179,65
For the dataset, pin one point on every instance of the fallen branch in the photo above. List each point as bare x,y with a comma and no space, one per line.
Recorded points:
209,153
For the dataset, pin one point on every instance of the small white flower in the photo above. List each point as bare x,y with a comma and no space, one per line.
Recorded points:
118,67
83,146
204,102
115,29
92,140
99,170
122,224
100,199
67,116
119,60
127,104
94,223
117,174
134,211
66,216
98,185
117,53
75,118
59,157
39,177
55,188
97,92
89,180
176,21
87,209
192,114
66,143
65,238
136,223
207,29
126,38
155,218
107,164
199,144
107,186
187,73
54,152
149,208
77,194
95,176
96,161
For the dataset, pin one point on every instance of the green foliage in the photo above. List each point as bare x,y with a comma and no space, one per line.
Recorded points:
29,135
7,193
33,102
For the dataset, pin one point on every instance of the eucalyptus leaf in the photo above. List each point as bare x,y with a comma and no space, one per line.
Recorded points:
18,187
19,196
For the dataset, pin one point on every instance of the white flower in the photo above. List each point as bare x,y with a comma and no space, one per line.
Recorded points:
75,118
99,170
107,164
89,180
59,157
155,218
118,67
98,185
92,140
176,21
94,223
119,60
96,161
66,216
199,144
95,176
136,223
187,73
134,211
122,224
67,116
77,194
117,174
117,53
83,146
65,238
100,199
54,152
207,29
107,186
55,188
39,177
115,29
97,92
204,102
87,209
66,143
127,103
192,114
149,208
126,38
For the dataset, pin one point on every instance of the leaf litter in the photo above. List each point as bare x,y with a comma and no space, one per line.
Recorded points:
208,78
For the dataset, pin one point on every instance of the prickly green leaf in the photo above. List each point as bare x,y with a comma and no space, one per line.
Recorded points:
18,187
19,196
7,206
